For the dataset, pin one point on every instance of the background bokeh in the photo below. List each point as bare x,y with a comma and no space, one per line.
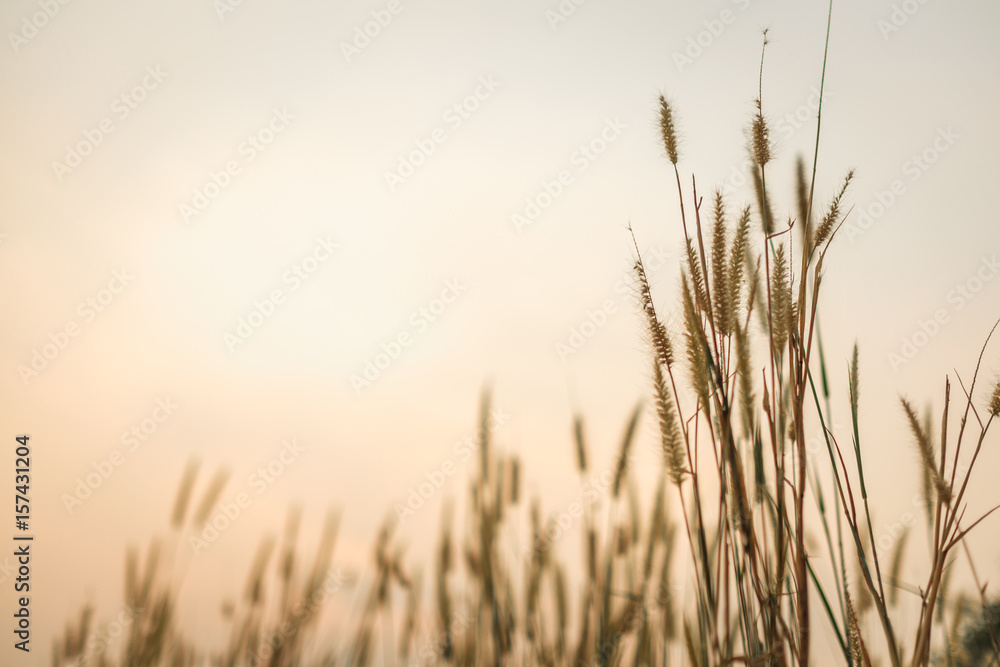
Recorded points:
200,79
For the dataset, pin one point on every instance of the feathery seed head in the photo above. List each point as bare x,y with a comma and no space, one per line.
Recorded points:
763,203
781,298
994,406
671,439
802,195
830,221
659,337
694,338
625,447
720,269
737,265
854,633
667,130
760,137
926,451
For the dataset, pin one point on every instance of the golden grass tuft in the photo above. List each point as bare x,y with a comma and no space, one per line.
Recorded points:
760,137
805,222
657,331
834,213
668,133
721,287
926,450
781,298
994,405
623,452
763,203
736,271
671,440
859,654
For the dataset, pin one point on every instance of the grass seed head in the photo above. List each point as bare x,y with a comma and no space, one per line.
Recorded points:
670,434
802,197
781,298
760,137
994,405
763,203
926,451
667,130
833,214
626,445
720,268
660,339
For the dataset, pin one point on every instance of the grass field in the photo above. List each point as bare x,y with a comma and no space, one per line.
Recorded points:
747,550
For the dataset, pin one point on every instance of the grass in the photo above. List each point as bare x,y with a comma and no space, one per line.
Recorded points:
738,501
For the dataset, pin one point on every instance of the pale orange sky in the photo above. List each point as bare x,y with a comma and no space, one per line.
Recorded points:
289,137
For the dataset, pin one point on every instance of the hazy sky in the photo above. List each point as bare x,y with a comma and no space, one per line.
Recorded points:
218,214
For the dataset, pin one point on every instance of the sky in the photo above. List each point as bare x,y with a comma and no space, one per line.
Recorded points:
308,235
